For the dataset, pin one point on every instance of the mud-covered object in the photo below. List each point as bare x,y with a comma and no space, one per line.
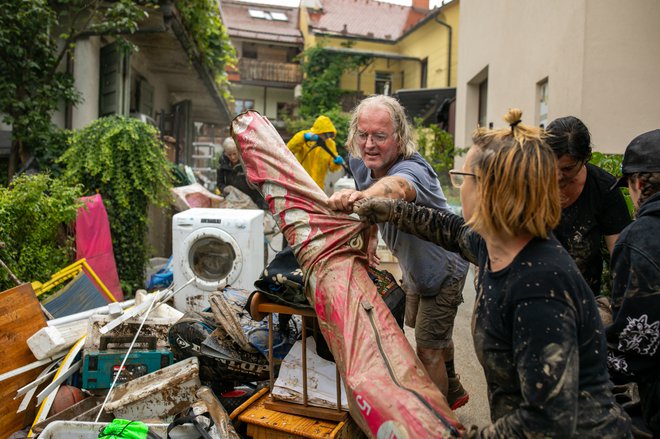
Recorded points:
221,359
373,355
282,282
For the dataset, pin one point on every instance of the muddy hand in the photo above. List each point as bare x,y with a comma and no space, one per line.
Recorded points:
344,200
375,210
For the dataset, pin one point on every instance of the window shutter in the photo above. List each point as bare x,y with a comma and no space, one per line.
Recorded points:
114,87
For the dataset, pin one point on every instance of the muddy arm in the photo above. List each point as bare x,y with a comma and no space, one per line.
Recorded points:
438,226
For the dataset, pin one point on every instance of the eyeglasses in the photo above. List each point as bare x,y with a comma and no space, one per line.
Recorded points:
458,177
378,138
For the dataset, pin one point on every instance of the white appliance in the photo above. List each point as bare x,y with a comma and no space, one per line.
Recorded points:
215,248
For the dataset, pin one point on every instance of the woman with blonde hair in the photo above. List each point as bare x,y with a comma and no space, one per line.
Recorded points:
536,327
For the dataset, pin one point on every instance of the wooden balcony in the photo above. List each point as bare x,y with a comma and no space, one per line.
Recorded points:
258,72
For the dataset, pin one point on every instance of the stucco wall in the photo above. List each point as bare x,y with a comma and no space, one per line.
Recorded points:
600,58
86,74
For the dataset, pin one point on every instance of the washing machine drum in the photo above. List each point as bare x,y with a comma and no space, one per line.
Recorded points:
213,257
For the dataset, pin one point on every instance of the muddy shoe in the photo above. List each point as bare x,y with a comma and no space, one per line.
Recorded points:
457,396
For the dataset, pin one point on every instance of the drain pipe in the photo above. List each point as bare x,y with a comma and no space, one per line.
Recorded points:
442,23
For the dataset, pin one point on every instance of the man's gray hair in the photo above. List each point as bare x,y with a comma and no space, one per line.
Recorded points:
402,128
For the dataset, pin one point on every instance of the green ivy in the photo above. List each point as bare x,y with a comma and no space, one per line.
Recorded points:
35,212
122,159
202,19
323,70
37,36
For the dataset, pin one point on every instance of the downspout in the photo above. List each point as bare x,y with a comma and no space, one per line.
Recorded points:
442,23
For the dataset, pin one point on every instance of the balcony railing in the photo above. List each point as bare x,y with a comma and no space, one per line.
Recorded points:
269,71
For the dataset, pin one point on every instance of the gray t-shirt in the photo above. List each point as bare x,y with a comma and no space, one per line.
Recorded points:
424,265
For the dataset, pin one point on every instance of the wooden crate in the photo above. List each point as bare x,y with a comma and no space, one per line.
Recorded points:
263,423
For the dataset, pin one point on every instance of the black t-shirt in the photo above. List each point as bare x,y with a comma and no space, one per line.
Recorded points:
539,337
537,334
596,213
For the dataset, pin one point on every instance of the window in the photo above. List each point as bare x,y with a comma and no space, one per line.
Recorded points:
279,16
383,83
241,105
542,102
267,15
249,50
483,103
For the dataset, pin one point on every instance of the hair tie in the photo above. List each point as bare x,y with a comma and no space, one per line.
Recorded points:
513,124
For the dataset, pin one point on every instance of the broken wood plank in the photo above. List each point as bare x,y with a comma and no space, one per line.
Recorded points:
20,317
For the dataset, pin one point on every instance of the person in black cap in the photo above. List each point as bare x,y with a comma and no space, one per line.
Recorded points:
634,336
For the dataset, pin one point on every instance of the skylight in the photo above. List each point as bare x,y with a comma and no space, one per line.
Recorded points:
256,13
279,16
266,15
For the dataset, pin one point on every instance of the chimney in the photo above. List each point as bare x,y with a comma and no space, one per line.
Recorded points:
421,4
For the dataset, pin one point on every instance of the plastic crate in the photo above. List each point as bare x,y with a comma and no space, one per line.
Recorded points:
90,430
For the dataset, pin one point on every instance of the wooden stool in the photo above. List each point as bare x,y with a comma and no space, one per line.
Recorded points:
259,308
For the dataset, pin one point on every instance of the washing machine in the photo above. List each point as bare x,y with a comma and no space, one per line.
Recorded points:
215,248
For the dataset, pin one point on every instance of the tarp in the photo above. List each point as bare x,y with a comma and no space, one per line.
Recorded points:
389,392
94,243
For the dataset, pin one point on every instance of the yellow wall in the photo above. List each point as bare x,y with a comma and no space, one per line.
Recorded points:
429,42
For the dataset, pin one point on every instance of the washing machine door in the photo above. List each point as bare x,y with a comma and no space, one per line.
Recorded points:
213,260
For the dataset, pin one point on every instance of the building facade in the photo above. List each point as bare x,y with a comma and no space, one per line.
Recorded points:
594,59
268,43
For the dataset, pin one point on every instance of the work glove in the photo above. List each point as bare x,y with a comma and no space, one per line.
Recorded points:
375,210
339,160
311,137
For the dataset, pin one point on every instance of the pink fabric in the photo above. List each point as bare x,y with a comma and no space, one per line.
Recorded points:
389,392
94,243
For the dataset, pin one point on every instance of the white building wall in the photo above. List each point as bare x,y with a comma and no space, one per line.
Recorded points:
86,75
600,57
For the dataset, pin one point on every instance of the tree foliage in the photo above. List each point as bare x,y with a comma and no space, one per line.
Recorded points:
35,212
437,147
37,37
122,159
202,19
323,70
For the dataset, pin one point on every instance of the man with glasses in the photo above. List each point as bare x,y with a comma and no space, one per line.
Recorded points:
592,212
385,163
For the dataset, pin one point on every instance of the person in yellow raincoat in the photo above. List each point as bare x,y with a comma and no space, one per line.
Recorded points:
306,146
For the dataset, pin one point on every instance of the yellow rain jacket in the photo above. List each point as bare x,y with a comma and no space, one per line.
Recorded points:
313,158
